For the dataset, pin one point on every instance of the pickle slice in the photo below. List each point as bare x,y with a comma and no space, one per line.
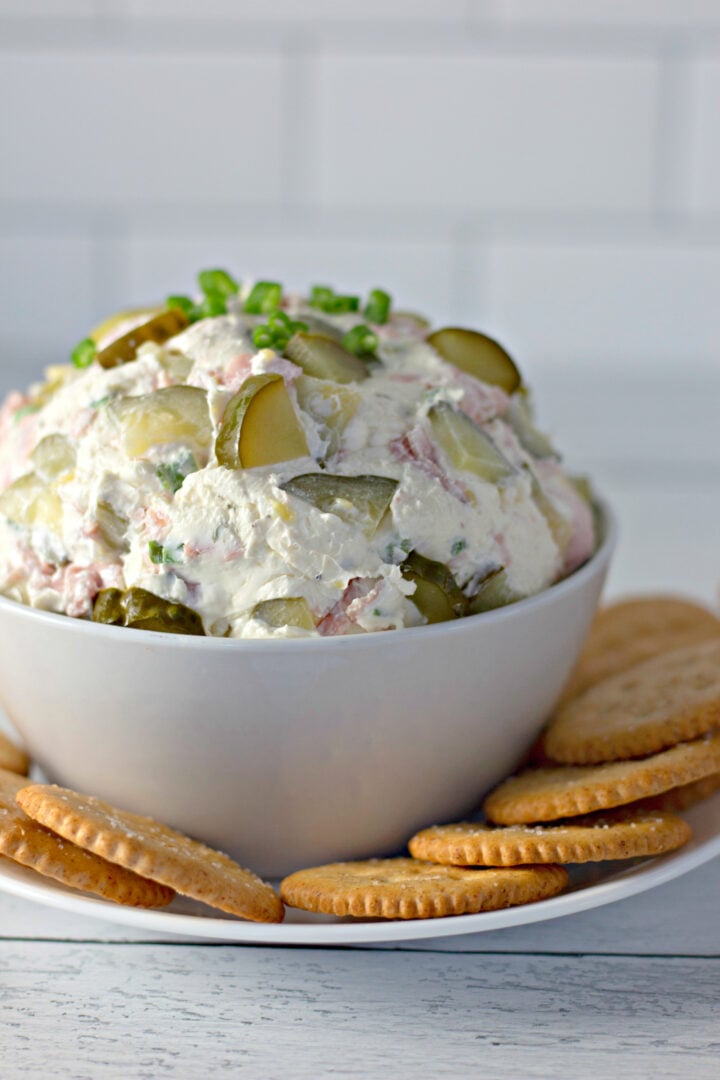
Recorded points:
158,329
466,445
291,611
494,592
477,354
324,358
108,607
106,332
260,426
356,499
141,609
173,414
534,441
437,595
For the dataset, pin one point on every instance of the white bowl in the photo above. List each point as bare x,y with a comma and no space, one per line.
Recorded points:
289,753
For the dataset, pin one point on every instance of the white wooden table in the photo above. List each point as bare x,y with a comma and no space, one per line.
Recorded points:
629,990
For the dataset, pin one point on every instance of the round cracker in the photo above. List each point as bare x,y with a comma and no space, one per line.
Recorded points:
408,889
664,701
152,850
631,631
682,798
566,791
27,843
615,834
12,757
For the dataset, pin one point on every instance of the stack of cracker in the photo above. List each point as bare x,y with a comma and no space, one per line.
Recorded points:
635,738
87,844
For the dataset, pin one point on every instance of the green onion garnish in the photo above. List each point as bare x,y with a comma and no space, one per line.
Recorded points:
186,305
319,295
377,309
213,304
84,353
172,473
217,282
277,331
325,299
262,337
160,555
361,340
265,296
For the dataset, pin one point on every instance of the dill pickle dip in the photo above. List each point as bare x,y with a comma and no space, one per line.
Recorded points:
251,463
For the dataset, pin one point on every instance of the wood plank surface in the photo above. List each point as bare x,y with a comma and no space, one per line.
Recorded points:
147,1011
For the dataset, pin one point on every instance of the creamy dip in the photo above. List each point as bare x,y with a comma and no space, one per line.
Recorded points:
110,484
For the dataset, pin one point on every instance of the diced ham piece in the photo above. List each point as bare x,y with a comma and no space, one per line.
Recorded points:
341,617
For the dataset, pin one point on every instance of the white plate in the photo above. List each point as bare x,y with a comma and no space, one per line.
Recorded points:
593,886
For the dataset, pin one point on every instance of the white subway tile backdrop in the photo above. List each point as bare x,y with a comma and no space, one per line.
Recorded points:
548,170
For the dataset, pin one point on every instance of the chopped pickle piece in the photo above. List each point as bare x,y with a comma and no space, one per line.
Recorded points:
293,611
477,354
53,456
519,418
466,445
142,610
158,329
560,525
30,501
583,486
359,500
112,525
494,592
107,331
173,414
437,595
260,426
107,607
324,358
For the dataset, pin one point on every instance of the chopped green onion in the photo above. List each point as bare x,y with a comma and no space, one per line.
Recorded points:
160,555
217,282
326,299
319,295
458,546
277,331
171,474
262,337
377,309
186,305
23,411
339,305
361,340
265,296
84,353
213,304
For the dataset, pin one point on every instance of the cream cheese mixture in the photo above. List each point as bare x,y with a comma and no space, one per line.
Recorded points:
210,472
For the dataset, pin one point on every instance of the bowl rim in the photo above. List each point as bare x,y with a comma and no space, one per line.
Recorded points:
601,556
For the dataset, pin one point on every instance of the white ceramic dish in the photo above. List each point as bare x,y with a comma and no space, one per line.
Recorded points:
290,753
594,886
